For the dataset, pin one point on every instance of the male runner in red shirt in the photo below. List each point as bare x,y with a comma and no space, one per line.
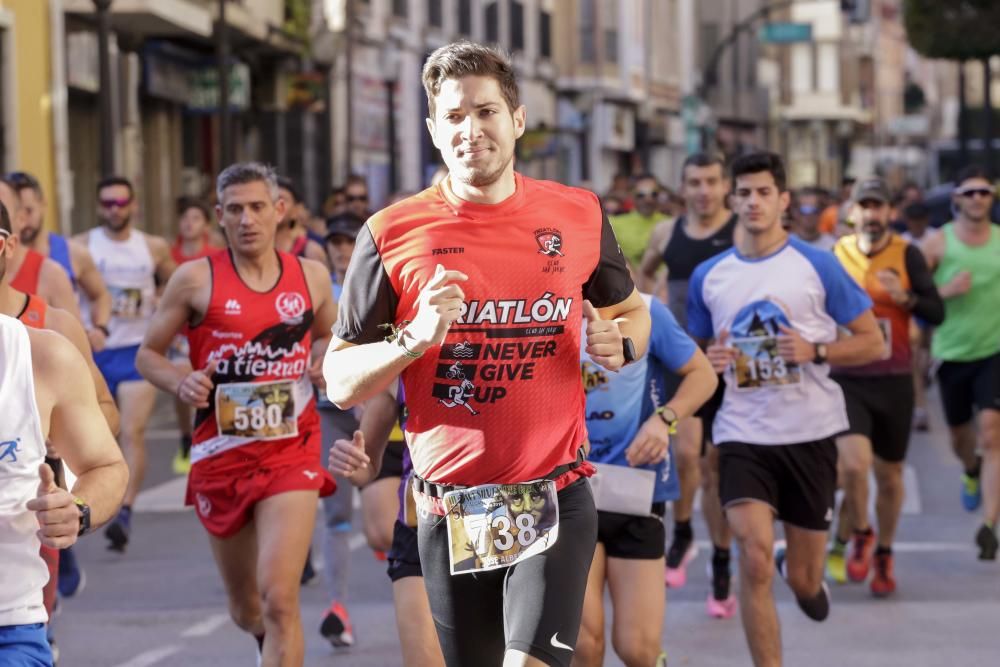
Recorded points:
253,316
480,284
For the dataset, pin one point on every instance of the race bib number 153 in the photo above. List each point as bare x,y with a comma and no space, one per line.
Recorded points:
759,365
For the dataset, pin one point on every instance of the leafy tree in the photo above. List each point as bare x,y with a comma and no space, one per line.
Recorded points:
953,29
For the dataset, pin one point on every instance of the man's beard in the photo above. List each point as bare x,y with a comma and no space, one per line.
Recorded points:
869,237
29,234
478,177
111,224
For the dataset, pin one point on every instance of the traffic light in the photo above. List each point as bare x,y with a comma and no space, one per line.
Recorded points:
858,11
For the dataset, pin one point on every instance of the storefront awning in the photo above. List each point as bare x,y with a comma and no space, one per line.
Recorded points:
160,18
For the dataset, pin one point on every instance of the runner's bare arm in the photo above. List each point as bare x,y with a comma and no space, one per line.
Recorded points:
184,297
163,261
652,257
76,427
698,383
355,373
933,248
863,346
61,322
324,315
91,283
360,467
54,286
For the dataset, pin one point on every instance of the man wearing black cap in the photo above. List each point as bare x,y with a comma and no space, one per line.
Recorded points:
879,395
341,232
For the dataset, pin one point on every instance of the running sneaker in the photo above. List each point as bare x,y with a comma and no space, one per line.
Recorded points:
920,420
661,660
118,531
817,608
836,564
380,556
721,603
986,539
52,644
883,583
859,562
336,626
972,493
72,578
181,463
682,551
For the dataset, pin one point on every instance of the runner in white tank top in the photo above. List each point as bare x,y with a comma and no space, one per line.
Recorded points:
33,367
131,263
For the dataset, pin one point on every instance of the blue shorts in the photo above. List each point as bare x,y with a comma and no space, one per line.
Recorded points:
24,646
118,365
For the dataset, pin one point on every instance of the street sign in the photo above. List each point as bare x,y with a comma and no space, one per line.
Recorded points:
786,33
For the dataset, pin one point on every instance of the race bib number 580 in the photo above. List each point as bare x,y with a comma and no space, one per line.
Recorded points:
258,410
497,525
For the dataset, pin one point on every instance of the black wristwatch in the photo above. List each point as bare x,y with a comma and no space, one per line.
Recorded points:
820,356
628,350
84,516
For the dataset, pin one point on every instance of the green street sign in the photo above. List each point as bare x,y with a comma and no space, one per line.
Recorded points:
786,33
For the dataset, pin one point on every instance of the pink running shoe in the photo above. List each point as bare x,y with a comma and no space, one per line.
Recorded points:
721,608
676,575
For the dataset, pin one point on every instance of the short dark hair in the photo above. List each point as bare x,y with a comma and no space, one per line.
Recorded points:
5,219
755,163
916,211
646,176
286,183
459,59
22,180
972,171
185,203
109,181
703,159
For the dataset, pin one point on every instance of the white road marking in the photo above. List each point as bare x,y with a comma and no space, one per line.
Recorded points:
152,656
206,627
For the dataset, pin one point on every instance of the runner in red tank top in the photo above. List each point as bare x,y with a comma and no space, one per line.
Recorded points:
193,242
489,353
255,315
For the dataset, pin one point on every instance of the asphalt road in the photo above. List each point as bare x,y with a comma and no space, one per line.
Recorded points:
162,603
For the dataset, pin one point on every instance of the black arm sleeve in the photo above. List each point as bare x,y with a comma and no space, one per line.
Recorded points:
610,283
368,299
928,305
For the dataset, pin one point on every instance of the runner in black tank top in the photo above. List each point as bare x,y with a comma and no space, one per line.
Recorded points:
704,187
684,253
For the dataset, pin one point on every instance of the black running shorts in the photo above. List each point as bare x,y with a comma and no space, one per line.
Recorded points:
881,409
403,556
798,481
969,384
533,607
632,537
392,461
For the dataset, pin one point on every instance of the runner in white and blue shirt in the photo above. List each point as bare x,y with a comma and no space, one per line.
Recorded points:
629,420
772,307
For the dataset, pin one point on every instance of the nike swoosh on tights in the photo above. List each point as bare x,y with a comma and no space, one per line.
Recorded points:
558,644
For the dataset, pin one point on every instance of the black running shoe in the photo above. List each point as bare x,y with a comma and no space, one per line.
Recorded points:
117,532
986,539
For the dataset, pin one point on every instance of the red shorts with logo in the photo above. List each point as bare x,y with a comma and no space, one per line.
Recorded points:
225,488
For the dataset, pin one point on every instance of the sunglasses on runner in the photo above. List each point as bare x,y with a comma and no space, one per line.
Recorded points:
356,197
974,192
645,195
119,203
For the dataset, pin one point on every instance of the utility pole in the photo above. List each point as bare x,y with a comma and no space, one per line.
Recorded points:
225,117
107,133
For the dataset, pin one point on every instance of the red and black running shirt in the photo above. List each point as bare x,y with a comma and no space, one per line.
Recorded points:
501,401
258,338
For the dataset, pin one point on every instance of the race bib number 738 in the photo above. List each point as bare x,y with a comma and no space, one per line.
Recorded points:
497,525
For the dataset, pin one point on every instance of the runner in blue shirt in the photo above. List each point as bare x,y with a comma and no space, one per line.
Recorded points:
629,422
